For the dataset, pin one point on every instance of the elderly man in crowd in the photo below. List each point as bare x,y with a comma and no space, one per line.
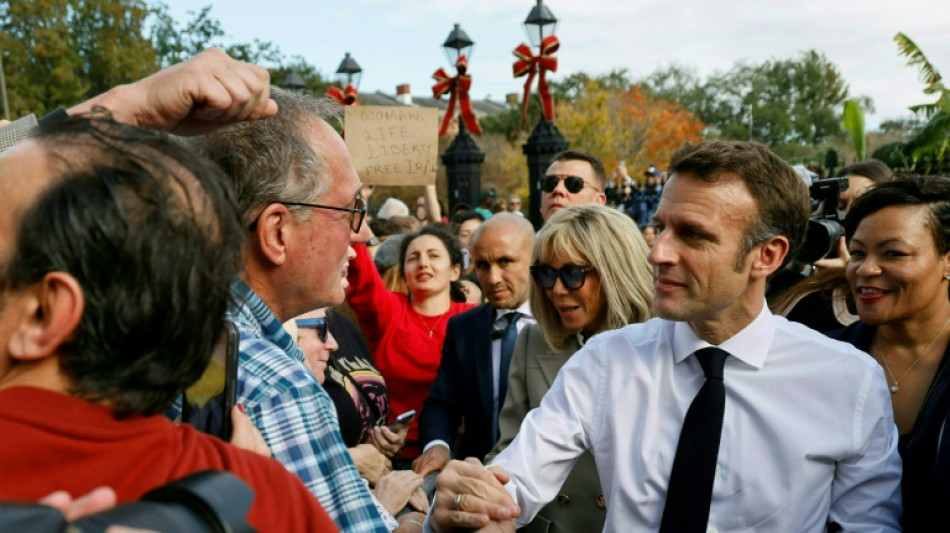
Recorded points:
105,316
298,196
738,420
473,375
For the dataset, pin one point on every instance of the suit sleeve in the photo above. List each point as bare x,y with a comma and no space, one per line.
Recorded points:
441,416
516,404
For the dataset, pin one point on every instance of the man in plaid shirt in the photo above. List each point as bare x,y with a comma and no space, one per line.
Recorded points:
298,196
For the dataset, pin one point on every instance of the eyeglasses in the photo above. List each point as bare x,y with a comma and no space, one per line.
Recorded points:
572,276
357,212
321,324
573,184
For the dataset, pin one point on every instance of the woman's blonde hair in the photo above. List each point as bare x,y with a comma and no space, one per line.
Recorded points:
609,241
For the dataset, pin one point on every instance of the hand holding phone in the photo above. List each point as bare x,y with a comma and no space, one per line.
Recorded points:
403,420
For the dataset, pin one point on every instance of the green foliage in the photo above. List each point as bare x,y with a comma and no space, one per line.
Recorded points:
316,82
783,103
60,52
853,122
926,151
175,43
508,123
916,58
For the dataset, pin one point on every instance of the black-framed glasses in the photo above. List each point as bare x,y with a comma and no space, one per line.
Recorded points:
320,324
357,212
572,276
573,184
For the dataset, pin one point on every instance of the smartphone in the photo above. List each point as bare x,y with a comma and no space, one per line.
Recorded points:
208,402
402,420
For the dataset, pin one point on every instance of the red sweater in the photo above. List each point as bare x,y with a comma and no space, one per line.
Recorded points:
406,355
50,441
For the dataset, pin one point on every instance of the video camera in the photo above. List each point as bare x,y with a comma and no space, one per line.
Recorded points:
204,502
824,228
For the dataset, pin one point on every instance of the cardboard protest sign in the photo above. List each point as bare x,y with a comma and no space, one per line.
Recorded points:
393,145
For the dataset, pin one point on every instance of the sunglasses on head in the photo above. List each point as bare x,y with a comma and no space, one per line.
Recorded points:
321,324
572,276
573,184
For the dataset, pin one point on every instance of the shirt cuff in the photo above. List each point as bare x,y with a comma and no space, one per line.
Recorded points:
436,442
391,523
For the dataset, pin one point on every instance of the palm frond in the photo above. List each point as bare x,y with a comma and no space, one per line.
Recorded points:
916,58
927,111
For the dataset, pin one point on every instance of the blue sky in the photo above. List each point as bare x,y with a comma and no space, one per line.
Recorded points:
399,41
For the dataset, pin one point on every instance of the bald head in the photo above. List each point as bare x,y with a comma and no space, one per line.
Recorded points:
510,224
501,253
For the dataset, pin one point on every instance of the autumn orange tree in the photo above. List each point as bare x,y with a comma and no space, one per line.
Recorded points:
628,125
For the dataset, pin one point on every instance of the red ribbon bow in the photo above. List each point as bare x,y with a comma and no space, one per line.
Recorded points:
529,64
458,86
345,97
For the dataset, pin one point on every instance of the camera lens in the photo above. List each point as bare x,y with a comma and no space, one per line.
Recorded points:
821,240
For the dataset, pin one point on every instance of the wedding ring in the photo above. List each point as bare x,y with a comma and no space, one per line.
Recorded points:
458,502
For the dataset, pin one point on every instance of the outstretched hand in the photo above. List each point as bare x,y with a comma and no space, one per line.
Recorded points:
191,98
468,495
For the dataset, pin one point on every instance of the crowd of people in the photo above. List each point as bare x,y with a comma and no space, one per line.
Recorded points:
618,368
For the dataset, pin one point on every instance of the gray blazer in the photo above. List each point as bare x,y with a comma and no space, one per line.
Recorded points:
579,506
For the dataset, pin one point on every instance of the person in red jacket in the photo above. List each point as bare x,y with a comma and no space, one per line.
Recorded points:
117,250
406,331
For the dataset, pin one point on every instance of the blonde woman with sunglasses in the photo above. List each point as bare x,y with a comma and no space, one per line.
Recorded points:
589,274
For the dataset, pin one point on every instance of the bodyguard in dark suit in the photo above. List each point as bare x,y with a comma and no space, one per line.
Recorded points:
471,383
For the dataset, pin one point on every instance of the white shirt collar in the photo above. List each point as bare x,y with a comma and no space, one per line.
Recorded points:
524,309
750,345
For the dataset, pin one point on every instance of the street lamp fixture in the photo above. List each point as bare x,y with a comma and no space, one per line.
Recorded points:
457,45
540,24
463,158
349,72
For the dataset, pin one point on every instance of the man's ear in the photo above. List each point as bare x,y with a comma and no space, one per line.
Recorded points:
50,311
272,231
768,256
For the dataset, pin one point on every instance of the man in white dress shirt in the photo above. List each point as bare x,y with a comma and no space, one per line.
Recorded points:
808,441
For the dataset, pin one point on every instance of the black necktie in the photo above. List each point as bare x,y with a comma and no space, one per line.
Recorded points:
508,338
694,468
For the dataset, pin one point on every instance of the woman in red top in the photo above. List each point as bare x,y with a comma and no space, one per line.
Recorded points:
406,331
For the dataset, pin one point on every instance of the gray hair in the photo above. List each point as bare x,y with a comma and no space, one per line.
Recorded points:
272,160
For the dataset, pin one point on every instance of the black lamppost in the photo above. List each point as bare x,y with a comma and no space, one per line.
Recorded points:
462,159
545,140
294,82
348,74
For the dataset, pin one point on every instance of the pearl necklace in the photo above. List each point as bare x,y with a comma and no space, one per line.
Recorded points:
432,329
894,388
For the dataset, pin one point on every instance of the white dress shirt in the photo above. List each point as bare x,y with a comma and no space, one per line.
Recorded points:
808,435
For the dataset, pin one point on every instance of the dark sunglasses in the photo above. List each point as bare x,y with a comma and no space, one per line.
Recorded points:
357,212
573,184
321,324
572,276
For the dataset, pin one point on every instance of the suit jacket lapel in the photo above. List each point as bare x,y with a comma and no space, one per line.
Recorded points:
481,353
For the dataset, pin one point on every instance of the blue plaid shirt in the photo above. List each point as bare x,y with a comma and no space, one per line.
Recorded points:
296,416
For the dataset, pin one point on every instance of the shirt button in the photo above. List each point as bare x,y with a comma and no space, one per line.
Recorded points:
718,468
712,530
563,500
601,502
